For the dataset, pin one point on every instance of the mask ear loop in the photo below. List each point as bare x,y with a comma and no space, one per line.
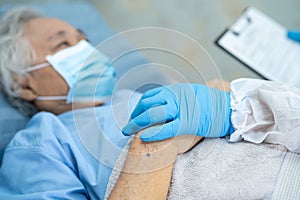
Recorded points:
44,98
50,98
36,67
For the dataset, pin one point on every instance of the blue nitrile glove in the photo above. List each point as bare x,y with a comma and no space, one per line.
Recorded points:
294,35
181,109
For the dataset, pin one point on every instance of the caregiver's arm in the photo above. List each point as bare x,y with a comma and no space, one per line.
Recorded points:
148,168
266,111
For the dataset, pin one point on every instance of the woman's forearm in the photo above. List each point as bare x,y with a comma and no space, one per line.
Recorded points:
147,171
148,168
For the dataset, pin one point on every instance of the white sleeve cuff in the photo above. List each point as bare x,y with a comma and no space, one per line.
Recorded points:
265,111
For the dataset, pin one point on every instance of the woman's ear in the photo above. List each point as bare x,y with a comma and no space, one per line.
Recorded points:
28,95
26,92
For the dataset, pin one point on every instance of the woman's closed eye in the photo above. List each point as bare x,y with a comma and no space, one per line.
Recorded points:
62,45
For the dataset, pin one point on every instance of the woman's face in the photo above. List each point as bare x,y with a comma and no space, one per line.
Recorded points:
46,37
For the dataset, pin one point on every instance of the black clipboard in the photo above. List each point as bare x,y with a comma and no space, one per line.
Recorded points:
254,20
236,58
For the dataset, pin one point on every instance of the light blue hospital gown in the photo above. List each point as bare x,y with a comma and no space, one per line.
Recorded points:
69,156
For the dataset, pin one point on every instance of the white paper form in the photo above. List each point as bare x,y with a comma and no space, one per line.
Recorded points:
261,43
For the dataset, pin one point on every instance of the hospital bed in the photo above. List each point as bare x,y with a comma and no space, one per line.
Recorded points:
282,182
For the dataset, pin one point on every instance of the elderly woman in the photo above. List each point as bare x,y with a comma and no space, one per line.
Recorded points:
47,65
27,39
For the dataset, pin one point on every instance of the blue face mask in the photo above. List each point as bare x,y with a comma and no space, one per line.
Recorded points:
87,72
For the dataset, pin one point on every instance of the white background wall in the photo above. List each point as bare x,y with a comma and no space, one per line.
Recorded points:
203,20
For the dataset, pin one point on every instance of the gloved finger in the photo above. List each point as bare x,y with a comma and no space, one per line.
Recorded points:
151,92
152,116
162,132
294,35
146,103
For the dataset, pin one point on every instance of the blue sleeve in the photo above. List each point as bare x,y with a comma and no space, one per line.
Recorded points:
37,165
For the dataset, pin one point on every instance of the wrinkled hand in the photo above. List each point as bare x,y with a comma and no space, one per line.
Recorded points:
181,109
294,35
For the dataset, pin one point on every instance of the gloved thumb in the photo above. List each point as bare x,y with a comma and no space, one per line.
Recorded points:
157,133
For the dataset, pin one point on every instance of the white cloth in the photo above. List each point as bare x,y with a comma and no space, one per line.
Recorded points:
266,111
216,169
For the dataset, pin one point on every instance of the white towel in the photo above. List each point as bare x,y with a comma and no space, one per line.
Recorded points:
216,169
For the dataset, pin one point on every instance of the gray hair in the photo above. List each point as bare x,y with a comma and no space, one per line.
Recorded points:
16,54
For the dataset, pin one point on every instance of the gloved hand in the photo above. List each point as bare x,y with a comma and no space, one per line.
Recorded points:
181,109
294,35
